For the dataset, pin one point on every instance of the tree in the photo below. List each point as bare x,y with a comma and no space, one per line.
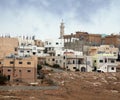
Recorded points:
3,79
56,66
39,67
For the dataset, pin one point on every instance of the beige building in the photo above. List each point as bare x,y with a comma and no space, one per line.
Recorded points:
21,69
103,49
8,46
70,61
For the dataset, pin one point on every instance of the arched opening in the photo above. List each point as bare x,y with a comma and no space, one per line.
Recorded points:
83,69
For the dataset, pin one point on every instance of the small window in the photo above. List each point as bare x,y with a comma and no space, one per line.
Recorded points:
64,57
15,49
9,70
73,62
57,43
74,67
34,53
94,61
19,70
29,63
0,63
11,62
112,68
21,51
28,51
112,61
58,54
20,62
101,61
56,61
53,59
28,70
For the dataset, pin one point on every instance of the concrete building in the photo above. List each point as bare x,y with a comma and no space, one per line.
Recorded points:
29,50
8,46
80,39
19,69
104,58
51,45
70,60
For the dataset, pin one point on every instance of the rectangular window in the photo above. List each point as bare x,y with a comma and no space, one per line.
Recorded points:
53,59
0,63
28,70
29,63
15,49
112,68
11,62
20,62
112,61
9,70
57,43
101,61
74,67
21,51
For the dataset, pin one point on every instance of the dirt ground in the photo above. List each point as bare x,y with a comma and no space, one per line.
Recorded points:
73,86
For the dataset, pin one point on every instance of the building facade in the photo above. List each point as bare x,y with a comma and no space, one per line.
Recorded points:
20,69
8,46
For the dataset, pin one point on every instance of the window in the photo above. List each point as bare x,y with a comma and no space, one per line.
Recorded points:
9,70
53,59
56,61
74,67
73,62
0,63
15,49
28,70
20,62
57,43
11,62
28,51
21,51
58,54
101,61
29,63
112,68
64,57
112,61
34,53
94,61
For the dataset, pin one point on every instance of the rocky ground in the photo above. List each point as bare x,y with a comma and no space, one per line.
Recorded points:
72,86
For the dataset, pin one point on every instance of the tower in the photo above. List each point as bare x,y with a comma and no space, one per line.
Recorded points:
62,30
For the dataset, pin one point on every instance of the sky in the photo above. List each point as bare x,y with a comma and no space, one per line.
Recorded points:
42,18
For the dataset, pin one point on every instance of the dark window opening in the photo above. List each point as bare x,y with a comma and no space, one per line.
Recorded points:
9,70
28,70
112,68
11,62
20,62
74,67
101,61
34,53
28,63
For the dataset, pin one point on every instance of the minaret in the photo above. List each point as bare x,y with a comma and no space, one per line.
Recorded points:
62,30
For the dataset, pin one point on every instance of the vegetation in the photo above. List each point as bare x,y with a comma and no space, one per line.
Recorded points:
39,67
56,66
3,79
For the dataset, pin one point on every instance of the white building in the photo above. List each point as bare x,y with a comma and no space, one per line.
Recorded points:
30,51
53,45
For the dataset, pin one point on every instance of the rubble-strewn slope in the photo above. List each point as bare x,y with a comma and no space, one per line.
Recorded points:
75,86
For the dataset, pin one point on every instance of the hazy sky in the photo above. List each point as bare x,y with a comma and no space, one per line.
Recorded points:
42,17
